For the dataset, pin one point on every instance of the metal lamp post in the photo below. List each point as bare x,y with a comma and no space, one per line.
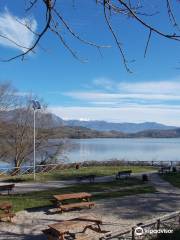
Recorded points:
35,105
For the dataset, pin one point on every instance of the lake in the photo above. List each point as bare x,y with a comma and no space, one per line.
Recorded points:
130,149
140,149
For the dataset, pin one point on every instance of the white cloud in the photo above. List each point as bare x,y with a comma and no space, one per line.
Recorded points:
95,96
167,86
12,27
105,83
126,102
111,92
152,87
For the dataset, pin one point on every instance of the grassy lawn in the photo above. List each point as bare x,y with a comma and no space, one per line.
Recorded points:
173,178
100,191
71,173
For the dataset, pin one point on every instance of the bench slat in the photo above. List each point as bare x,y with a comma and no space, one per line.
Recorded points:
72,196
76,205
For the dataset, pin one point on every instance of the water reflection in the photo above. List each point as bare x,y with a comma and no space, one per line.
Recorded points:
128,149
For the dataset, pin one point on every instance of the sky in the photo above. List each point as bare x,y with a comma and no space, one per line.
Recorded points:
99,88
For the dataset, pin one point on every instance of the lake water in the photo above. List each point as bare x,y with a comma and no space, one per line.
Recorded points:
140,149
146,149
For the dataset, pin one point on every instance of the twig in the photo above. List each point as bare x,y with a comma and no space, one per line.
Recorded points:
147,44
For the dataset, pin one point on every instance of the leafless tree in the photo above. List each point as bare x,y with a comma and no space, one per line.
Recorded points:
16,130
137,10
7,96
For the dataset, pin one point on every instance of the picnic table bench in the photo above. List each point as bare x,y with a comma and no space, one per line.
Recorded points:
7,187
70,227
126,173
6,211
90,177
85,197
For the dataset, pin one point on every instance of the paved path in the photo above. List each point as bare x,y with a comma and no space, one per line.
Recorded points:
23,187
163,186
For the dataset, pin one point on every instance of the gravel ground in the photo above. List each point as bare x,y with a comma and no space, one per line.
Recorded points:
117,214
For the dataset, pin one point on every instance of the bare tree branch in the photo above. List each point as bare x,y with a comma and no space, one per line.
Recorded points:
117,41
55,22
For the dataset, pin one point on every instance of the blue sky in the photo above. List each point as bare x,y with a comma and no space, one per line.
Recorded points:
100,89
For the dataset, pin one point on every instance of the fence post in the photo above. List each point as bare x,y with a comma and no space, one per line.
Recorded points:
158,224
171,164
179,218
133,234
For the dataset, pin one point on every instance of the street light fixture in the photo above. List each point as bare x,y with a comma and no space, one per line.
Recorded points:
35,105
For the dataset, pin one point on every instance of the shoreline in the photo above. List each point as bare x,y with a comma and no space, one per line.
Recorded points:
110,162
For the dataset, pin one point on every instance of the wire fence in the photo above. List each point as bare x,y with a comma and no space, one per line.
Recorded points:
28,170
47,168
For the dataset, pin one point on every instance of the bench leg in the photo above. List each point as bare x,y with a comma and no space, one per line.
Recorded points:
94,228
84,230
61,237
10,219
60,210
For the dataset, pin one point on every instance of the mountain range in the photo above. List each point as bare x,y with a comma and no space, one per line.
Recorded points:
111,126
102,126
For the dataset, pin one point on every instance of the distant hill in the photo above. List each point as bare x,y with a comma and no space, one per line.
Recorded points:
82,132
173,133
122,127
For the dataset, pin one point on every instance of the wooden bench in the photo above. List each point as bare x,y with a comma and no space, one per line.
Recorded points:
6,211
85,197
163,170
7,187
91,178
124,174
65,207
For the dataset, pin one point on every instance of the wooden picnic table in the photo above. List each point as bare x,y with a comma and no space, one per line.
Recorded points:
59,230
80,196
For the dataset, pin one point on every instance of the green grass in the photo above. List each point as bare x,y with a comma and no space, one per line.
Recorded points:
173,178
72,173
100,191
